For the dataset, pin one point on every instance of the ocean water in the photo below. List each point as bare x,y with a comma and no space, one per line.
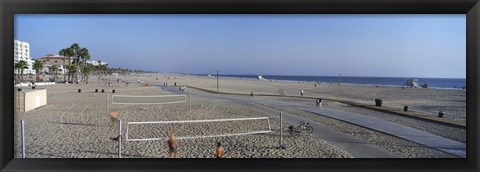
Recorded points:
443,83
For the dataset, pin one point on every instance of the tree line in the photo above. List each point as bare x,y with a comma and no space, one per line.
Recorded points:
77,66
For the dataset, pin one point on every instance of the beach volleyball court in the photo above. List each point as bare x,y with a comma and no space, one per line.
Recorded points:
149,99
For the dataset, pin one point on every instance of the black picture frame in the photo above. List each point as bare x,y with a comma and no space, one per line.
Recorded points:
9,8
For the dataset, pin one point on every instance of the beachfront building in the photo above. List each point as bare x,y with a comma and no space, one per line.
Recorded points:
22,52
54,59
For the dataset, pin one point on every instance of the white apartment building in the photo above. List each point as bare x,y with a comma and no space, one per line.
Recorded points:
22,52
96,63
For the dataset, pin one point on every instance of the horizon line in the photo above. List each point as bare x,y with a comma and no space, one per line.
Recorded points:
309,75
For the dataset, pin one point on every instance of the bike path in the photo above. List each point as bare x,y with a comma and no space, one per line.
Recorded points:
430,140
355,147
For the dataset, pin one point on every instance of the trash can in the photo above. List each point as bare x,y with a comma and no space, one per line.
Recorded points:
33,87
79,90
96,90
405,108
251,94
103,90
378,102
440,114
113,91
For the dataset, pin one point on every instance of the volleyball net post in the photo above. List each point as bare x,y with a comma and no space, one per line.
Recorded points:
22,128
119,138
106,104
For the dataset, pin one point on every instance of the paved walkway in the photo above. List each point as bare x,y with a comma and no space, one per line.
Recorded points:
355,147
408,133
348,143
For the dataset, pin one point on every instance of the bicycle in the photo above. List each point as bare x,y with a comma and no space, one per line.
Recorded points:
304,126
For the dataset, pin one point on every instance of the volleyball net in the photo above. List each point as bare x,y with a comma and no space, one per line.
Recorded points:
196,129
149,99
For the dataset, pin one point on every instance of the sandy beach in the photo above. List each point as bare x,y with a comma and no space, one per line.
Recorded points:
77,125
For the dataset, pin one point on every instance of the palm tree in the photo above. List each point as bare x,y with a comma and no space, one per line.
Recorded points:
66,53
83,54
104,68
37,66
98,67
20,66
54,69
75,48
87,69
72,70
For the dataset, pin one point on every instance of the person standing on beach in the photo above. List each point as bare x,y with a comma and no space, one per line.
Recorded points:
172,146
301,93
319,102
220,150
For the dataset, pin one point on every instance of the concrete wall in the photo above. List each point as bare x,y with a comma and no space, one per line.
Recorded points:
29,84
31,99
19,102
45,83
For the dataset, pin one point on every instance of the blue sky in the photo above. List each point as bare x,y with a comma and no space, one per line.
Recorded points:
321,45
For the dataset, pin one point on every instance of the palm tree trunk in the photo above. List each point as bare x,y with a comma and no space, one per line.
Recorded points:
21,75
18,74
69,63
64,76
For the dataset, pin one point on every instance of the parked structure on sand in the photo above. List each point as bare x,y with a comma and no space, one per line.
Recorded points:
412,83
260,77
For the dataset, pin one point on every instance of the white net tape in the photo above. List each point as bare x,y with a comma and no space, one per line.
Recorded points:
200,121
144,99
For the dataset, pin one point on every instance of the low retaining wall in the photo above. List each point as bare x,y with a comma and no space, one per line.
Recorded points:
45,83
28,100
36,83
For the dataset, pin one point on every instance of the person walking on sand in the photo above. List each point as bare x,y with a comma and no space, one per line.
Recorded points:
301,93
220,150
172,146
319,102
113,116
